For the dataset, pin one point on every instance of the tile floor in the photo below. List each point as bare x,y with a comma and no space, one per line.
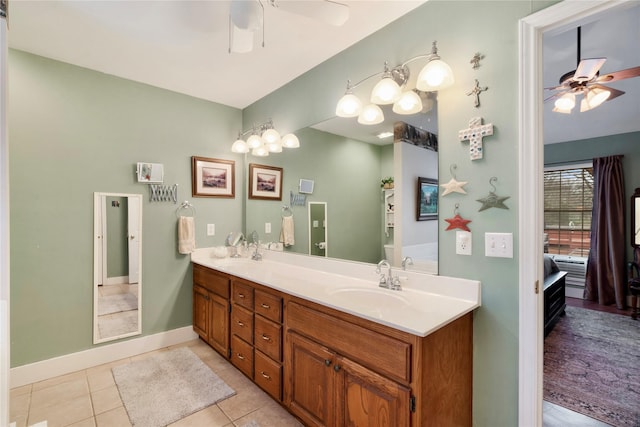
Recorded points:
90,398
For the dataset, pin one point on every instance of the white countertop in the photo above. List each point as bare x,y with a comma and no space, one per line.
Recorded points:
425,303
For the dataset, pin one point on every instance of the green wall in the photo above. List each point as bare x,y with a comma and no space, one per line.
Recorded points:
626,144
461,28
117,242
74,132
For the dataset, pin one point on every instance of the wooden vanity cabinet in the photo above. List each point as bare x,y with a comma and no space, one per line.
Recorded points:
211,307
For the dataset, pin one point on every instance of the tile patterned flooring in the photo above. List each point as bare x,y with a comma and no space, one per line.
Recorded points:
90,398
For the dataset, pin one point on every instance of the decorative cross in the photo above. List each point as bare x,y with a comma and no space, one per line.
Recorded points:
476,91
475,61
474,133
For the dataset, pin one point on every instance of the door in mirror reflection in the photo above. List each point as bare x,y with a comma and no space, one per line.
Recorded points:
117,265
318,229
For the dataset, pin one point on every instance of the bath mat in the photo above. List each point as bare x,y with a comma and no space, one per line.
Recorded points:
116,303
167,387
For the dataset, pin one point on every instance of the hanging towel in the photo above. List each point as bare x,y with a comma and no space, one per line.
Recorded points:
286,233
186,235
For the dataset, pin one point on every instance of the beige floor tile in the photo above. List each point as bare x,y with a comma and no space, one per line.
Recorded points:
60,393
246,401
18,391
106,399
270,415
21,421
59,380
63,413
114,418
19,406
107,366
89,422
148,354
210,417
100,379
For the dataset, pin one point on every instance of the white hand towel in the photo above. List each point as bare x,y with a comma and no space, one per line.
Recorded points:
286,233
186,235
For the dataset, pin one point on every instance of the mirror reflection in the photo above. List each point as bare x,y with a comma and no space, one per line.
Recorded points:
117,265
348,161
318,229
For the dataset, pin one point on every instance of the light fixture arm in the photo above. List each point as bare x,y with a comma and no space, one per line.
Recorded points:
257,129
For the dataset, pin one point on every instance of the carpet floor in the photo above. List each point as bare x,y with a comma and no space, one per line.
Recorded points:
167,387
592,366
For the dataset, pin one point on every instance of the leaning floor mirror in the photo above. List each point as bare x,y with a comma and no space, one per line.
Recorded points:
117,257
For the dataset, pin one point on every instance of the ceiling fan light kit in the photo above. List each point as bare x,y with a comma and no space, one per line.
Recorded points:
392,89
263,139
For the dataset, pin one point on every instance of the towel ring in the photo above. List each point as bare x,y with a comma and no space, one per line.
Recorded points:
187,206
286,211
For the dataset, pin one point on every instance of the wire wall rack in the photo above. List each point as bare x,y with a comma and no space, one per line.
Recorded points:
297,199
163,193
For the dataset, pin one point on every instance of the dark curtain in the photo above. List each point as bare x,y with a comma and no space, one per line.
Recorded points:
606,277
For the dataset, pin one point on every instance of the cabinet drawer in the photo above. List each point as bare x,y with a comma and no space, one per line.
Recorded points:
242,356
242,323
268,375
268,338
211,280
381,353
242,294
268,305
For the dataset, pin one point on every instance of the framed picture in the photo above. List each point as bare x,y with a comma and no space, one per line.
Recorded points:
265,182
427,199
212,177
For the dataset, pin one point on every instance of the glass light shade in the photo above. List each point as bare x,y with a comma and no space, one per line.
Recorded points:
409,103
566,102
386,91
254,141
436,75
290,141
271,136
597,96
239,146
261,151
349,106
371,115
274,147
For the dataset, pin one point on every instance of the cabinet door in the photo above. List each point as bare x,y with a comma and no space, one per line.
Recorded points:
201,312
312,382
219,324
366,399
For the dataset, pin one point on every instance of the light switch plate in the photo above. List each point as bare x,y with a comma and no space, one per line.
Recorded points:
267,227
463,242
498,245
211,229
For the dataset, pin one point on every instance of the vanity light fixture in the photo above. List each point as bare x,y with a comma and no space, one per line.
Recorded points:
263,139
392,89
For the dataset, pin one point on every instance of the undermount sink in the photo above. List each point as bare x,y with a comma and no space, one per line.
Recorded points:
371,297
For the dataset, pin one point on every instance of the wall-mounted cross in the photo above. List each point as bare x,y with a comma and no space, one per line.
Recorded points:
476,91
474,134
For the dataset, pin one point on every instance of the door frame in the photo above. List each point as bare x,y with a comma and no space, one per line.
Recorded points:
556,18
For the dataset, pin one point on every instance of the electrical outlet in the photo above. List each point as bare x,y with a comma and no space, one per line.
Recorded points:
463,242
211,229
267,227
498,245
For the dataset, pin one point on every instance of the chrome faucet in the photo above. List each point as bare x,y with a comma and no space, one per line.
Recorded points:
406,261
257,256
388,281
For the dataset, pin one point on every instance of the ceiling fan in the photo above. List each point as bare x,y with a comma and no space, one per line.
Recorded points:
246,17
586,80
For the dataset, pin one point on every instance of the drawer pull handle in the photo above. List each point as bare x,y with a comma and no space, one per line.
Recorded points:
265,375
241,357
240,295
267,306
336,368
327,362
240,323
266,338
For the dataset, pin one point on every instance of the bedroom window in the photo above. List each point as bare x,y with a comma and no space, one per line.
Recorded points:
568,200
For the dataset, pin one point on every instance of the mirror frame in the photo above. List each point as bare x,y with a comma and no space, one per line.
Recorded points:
634,220
97,261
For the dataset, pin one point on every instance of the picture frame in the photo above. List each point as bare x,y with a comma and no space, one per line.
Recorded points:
212,177
265,182
427,199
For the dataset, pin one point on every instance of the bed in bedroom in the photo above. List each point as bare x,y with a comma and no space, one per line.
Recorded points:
554,293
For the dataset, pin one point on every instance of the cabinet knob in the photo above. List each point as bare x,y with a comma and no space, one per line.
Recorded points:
240,323
327,362
265,305
266,338
336,368
265,375
240,295
241,357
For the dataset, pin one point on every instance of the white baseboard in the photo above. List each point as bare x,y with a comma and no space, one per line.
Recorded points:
61,365
120,280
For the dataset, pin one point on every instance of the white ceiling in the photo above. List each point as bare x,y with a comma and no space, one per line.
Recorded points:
183,45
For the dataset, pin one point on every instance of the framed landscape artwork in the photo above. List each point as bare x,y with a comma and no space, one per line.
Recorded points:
212,177
427,199
265,182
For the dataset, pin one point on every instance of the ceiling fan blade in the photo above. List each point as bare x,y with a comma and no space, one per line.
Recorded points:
554,96
619,75
329,12
614,92
588,68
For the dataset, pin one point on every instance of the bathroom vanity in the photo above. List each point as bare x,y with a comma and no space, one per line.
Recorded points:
332,347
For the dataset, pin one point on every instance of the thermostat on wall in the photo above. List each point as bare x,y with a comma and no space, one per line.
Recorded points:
150,172
306,186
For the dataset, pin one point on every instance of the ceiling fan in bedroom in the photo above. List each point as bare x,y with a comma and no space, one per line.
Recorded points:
586,81
246,17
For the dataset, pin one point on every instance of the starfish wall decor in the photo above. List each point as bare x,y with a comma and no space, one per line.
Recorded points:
492,200
457,221
453,186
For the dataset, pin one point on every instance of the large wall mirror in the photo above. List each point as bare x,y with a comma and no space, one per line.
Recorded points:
117,257
347,162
